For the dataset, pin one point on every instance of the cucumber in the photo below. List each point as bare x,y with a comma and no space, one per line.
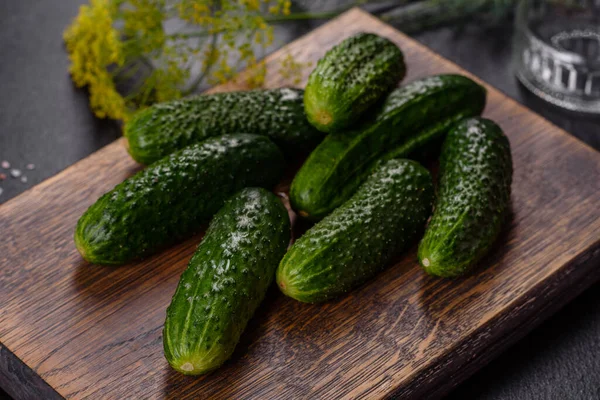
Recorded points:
413,116
359,238
166,127
173,197
473,198
225,281
350,78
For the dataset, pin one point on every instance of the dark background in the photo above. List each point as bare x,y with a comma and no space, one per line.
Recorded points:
46,121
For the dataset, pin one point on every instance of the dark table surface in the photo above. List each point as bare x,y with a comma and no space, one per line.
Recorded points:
45,121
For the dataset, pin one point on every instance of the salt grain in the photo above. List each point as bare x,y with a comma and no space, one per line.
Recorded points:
5,164
1,191
24,179
15,173
30,166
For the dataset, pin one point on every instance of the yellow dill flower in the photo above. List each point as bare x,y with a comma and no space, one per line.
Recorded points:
251,5
257,72
286,7
291,70
93,45
143,24
281,7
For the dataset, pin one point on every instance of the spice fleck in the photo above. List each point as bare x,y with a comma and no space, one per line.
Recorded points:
5,164
2,177
30,166
15,173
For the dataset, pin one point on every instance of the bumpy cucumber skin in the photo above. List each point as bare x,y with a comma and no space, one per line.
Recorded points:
166,127
356,241
473,198
350,78
172,198
411,117
225,281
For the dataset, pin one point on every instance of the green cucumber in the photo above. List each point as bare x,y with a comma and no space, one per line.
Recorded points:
225,281
166,127
360,237
473,198
172,198
412,117
350,78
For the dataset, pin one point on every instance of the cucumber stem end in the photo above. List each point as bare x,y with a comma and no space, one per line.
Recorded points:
323,117
188,366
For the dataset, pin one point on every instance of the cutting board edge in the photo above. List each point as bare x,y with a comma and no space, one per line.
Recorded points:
18,372
510,325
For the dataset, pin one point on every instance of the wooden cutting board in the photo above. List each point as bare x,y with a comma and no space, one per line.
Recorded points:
76,330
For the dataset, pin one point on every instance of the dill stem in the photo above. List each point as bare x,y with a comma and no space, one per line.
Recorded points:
305,16
194,85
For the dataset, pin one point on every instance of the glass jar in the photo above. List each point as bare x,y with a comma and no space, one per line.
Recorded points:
557,51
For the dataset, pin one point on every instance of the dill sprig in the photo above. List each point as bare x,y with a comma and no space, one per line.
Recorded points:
167,48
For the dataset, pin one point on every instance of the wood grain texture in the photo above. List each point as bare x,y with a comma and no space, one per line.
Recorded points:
95,332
